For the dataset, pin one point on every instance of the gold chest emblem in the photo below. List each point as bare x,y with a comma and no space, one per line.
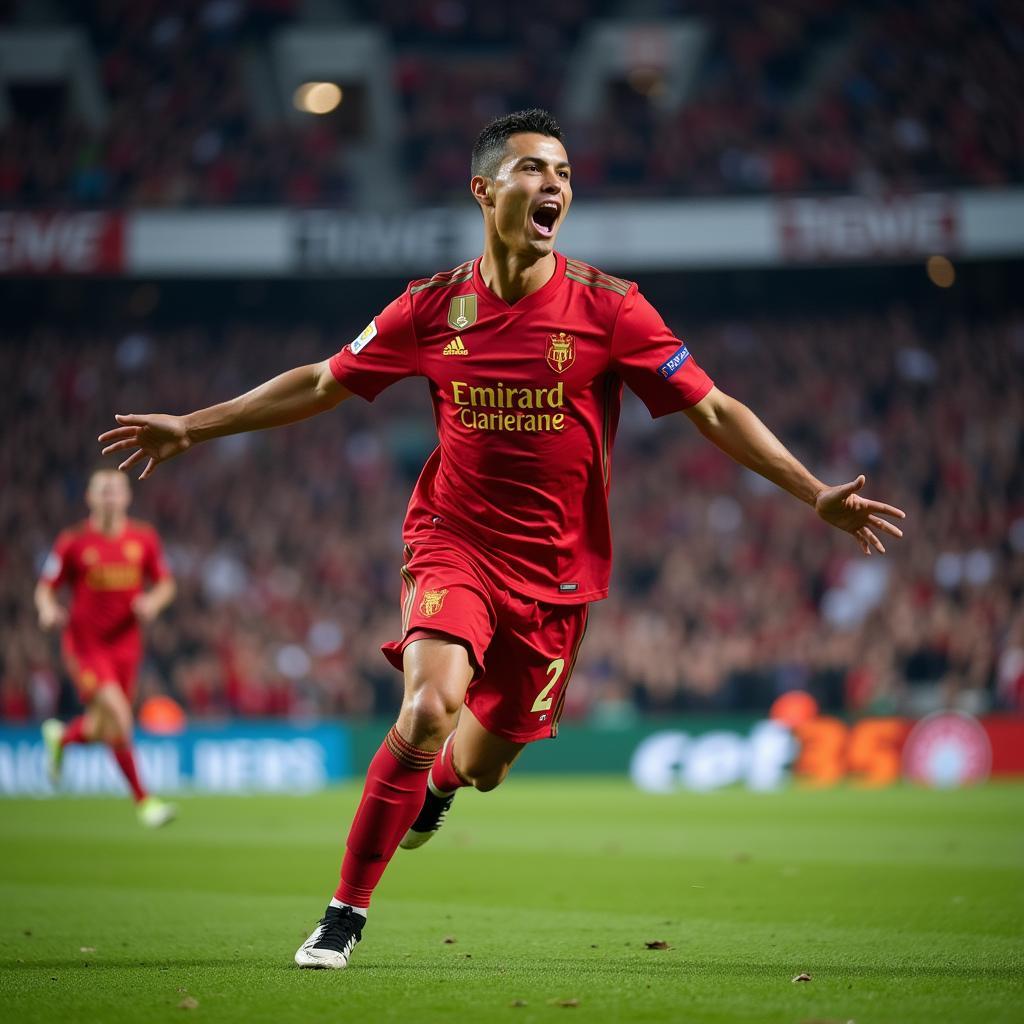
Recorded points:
561,351
432,601
462,312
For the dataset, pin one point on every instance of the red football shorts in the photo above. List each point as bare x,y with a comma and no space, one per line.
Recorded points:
95,666
523,650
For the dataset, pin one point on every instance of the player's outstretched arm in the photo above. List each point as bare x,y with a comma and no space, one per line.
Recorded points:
741,435
291,396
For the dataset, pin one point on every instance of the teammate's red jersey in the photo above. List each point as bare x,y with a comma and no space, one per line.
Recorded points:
105,574
526,399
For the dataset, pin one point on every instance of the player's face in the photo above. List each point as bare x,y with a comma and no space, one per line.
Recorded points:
108,494
531,192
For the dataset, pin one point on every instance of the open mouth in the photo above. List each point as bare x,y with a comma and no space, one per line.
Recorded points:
544,219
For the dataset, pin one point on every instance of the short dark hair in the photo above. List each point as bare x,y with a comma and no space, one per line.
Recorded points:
490,143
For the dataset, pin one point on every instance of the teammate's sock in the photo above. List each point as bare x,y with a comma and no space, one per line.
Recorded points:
443,778
392,796
74,732
335,902
126,762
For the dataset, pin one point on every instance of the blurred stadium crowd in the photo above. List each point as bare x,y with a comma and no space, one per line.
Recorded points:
805,95
286,544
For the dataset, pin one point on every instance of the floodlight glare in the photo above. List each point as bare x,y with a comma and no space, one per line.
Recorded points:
317,97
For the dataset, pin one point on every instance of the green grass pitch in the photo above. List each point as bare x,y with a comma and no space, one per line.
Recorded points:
903,905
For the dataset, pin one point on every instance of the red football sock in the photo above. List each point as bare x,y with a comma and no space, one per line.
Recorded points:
396,784
74,732
443,776
126,762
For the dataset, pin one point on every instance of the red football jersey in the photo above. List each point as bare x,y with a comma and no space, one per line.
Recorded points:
105,574
526,399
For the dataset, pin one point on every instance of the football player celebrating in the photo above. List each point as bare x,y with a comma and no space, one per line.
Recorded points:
507,536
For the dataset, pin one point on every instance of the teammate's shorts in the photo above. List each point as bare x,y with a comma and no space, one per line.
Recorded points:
95,666
523,651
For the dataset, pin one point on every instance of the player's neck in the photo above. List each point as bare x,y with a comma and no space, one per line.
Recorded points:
512,276
110,526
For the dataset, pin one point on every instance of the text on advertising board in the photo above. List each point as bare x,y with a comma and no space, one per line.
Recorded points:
856,227
65,243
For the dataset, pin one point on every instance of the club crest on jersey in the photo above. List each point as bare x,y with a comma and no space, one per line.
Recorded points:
432,601
462,312
561,351
132,550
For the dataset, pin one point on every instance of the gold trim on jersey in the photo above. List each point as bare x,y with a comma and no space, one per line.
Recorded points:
560,707
585,274
460,275
410,596
594,284
610,384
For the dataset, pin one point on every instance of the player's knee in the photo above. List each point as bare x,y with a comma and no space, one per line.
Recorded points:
117,732
429,714
113,718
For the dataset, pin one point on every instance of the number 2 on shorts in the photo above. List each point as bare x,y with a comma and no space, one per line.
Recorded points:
554,670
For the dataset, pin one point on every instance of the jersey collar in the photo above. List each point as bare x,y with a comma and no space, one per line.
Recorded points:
528,301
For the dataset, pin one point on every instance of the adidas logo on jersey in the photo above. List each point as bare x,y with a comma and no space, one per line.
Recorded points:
455,347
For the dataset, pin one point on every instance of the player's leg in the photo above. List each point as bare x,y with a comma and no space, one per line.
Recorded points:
479,757
446,626
58,736
112,703
471,756
86,672
437,674
517,700
114,714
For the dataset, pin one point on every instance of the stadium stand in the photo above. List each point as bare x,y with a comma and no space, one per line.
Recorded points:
809,95
286,544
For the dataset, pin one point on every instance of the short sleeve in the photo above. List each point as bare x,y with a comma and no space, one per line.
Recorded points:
652,361
385,352
57,567
155,566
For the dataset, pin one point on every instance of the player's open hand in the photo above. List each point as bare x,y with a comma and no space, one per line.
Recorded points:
155,437
843,507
